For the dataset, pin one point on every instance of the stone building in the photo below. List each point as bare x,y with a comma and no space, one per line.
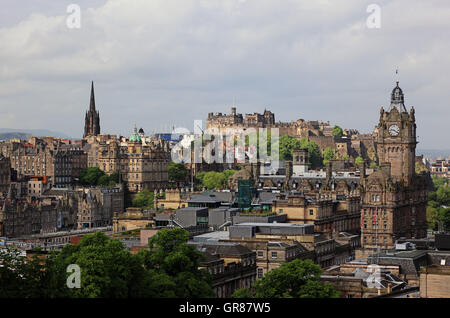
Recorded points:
20,218
231,265
330,214
299,128
59,210
441,168
393,198
61,163
271,254
319,132
141,165
324,248
133,218
435,281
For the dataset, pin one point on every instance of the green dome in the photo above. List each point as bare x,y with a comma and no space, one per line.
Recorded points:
135,136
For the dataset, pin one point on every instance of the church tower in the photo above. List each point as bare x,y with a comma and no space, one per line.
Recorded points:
92,118
396,141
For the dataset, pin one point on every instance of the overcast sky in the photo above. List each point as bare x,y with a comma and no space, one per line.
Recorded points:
168,62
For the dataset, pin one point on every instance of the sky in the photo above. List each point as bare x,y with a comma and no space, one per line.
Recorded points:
164,63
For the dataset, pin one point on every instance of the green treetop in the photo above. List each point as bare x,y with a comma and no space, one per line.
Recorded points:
295,279
337,131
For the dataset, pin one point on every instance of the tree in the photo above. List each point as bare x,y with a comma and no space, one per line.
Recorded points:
144,199
328,154
108,270
170,255
314,155
214,180
295,279
438,210
114,178
103,180
177,172
242,293
200,176
91,176
287,144
229,173
23,277
337,131
359,160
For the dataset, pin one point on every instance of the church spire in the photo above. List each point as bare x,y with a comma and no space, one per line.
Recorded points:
92,105
92,119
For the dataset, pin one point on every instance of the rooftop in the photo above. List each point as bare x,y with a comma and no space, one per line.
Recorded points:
285,225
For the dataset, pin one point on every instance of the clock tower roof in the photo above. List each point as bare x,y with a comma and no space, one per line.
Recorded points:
397,99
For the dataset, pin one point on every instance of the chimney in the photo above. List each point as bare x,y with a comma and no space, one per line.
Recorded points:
362,168
329,170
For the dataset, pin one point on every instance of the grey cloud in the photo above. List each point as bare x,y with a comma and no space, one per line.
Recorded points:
170,62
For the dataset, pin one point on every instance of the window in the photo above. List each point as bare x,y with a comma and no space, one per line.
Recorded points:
311,212
260,253
260,272
274,255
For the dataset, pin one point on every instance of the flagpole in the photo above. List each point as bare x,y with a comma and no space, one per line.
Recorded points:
376,231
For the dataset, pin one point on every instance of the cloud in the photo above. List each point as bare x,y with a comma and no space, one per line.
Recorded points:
165,62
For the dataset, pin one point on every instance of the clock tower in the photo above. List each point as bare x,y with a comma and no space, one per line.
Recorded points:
393,197
396,140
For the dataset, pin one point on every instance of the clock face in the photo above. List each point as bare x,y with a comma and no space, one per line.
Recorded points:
394,130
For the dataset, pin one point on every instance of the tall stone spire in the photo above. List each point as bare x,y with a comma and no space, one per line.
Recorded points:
92,118
92,104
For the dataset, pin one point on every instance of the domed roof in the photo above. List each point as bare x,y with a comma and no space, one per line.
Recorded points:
135,136
397,99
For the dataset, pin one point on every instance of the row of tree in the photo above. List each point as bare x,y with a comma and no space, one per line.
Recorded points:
93,176
295,279
170,268
213,179
438,208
